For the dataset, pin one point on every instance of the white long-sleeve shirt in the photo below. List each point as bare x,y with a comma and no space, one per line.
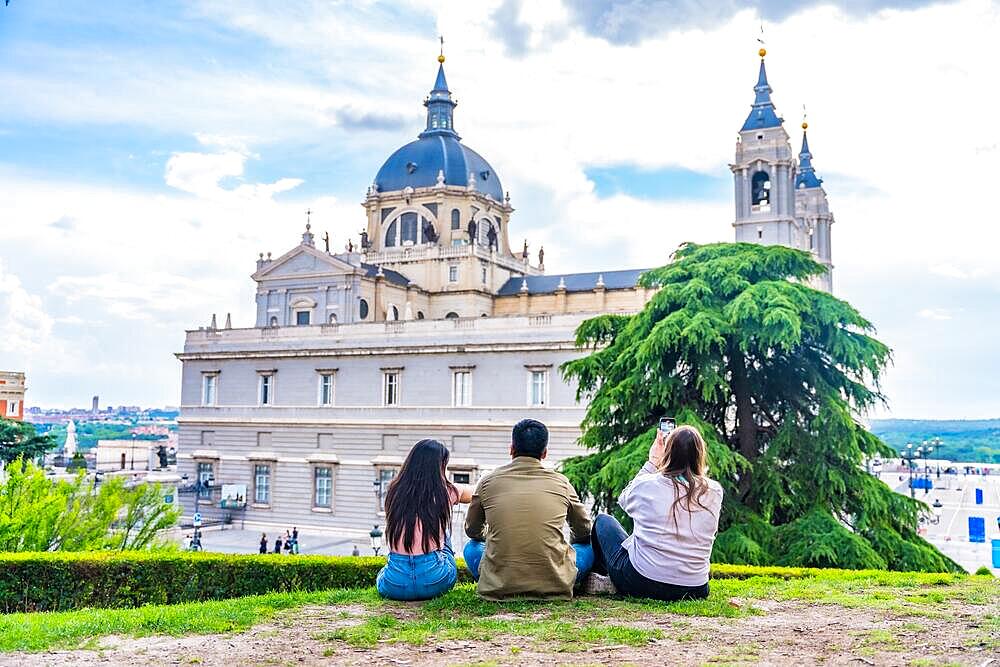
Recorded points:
659,549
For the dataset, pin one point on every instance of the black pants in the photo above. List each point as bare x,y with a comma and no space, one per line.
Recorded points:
611,558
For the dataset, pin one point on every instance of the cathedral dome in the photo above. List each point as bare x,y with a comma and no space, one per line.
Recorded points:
438,152
418,164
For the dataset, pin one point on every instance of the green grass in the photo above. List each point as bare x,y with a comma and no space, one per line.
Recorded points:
73,629
559,626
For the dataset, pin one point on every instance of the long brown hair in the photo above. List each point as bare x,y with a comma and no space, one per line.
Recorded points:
684,455
420,492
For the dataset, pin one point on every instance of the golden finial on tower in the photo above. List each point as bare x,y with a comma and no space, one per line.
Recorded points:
441,55
805,125
762,52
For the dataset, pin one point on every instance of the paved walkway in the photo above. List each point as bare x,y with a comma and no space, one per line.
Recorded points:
957,494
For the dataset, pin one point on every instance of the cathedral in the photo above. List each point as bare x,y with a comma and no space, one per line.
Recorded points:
434,326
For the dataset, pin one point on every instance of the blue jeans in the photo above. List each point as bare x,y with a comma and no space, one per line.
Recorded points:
612,559
474,550
418,577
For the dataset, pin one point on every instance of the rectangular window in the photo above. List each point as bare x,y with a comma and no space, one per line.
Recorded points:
461,477
12,408
323,487
208,389
266,389
262,484
461,388
326,389
538,388
302,318
484,274
205,475
453,274
390,388
382,477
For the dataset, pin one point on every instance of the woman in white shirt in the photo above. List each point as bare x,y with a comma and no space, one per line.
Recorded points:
675,510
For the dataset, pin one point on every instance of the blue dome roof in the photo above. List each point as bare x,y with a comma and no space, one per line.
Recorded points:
438,150
417,165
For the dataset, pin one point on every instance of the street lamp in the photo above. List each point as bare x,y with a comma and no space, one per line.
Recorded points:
132,450
376,537
936,444
910,454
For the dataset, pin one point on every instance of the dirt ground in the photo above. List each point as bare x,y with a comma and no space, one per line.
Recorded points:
787,633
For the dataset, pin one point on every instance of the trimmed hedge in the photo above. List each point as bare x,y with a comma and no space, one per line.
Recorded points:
62,581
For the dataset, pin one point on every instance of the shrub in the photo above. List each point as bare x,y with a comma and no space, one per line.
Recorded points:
62,581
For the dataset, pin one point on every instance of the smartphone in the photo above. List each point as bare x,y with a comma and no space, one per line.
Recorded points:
667,424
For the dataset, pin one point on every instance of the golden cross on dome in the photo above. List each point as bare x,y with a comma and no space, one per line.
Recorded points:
441,55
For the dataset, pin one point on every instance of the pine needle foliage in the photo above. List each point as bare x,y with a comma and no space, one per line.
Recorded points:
774,374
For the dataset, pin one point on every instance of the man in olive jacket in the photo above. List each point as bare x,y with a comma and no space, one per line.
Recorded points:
515,525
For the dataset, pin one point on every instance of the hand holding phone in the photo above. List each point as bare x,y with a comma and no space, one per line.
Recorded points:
667,424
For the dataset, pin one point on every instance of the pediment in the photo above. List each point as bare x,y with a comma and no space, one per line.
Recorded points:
304,261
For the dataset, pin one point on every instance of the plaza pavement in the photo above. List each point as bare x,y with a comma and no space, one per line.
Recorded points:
957,496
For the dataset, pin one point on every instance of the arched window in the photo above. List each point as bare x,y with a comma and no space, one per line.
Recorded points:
393,313
456,219
363,309
333,318
390,235
274,321
408,228
420,314
760,189
451,316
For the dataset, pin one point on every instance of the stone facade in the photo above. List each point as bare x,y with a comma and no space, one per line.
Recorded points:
433,327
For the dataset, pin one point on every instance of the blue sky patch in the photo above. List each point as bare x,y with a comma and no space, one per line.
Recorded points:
666,183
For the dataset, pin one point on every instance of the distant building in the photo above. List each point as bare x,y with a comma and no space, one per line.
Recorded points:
12,390
95,405
125,454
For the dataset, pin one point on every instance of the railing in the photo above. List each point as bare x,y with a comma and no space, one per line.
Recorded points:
420,253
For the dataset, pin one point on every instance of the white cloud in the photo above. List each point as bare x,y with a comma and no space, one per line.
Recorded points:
939,314
24,325
949,271
201,173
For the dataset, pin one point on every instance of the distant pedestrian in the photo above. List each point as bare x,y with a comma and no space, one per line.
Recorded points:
263,543
355,552
277,544
295,534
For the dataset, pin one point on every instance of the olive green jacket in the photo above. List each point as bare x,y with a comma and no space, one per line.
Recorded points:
520,510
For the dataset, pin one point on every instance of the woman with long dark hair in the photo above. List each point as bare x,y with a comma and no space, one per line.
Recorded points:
418,508
675,509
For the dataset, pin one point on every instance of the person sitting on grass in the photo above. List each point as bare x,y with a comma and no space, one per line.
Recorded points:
418,507
515,525
675,509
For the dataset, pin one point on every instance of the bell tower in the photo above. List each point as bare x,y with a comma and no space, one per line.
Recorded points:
812,210
764,174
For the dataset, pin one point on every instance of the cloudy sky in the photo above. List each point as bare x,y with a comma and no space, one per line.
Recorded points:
150,150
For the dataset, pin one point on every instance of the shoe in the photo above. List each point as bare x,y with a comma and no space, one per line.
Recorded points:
598,584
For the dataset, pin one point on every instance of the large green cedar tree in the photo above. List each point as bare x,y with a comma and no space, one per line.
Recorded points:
774,373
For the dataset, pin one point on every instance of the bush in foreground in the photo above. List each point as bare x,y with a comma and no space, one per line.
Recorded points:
66,581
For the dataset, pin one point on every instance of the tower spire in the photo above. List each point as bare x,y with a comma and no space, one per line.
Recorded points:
440,106
806,178
762,114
